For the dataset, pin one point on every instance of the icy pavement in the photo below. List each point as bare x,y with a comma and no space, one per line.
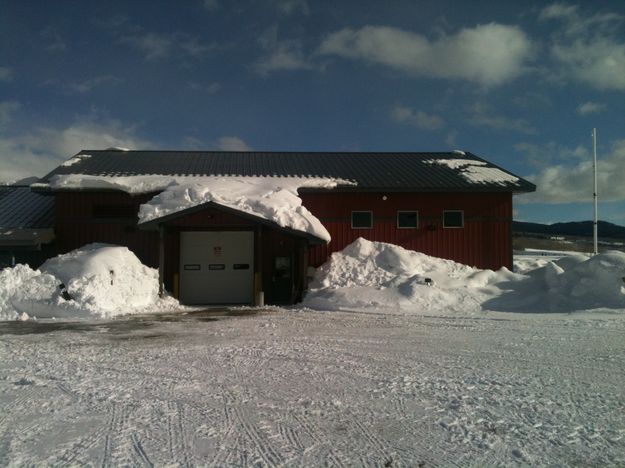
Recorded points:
311,388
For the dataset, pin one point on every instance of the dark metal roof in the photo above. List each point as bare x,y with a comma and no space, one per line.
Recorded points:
370,171
22,208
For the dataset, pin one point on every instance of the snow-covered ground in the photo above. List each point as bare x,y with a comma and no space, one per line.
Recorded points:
408,360
304,388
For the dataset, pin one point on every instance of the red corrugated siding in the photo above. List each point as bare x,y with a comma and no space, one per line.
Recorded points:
484,241
75,225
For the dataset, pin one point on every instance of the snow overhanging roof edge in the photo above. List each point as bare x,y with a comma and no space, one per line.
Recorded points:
155,223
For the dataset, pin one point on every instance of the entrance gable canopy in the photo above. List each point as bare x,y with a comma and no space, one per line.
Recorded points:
154,223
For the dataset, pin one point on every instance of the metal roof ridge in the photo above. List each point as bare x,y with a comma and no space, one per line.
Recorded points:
267,152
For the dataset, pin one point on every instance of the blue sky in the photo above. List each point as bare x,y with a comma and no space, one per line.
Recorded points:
519,83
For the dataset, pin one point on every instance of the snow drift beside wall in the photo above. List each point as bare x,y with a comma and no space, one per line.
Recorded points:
97,280
378,276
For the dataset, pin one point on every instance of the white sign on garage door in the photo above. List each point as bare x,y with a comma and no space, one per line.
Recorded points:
216,267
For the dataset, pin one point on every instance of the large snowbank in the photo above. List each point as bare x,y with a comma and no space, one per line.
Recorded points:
374,275
97,280
272,198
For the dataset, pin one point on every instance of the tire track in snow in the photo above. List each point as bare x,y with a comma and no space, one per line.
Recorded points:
140,451
67,391
290,436
114,446
372,441
229,424
77,449
176,438
108,442
267,452
17,406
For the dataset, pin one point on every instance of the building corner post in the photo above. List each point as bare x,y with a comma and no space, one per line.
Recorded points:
161,260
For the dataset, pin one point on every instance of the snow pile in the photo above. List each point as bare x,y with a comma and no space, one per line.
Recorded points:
97,280
476,172
572,283
272,198
378,276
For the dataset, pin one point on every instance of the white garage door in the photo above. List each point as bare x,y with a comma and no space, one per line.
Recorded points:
216,267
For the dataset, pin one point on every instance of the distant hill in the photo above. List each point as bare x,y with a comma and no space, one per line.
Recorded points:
579,228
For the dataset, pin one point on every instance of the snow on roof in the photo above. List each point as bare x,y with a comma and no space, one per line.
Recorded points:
75,159
271,198
476,172
129,184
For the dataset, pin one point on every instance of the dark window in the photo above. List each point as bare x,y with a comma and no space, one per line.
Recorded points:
362,219
115,211
407,219
453,219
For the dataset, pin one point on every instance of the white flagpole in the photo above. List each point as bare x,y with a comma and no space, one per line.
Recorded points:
594,194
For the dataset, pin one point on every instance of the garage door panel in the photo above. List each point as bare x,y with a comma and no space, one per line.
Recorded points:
216,267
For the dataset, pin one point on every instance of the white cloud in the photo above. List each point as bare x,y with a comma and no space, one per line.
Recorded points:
7,108
161,46
43,149
210,5
288,7
210,88
86,86
558,10
489,54
154,46
418,119
281,55
566,183
551,154
483,116
192,143
590,108
451,139
54,41
600,63
588,47
6,74
232,143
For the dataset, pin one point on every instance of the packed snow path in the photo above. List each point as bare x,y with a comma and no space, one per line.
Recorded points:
309,388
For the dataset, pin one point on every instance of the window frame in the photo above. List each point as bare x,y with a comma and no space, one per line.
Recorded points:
416,212
461,219
362,227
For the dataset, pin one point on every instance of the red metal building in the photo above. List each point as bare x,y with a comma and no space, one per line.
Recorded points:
450,205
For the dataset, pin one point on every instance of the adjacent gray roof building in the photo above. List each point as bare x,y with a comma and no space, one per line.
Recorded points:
26,217
369,171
